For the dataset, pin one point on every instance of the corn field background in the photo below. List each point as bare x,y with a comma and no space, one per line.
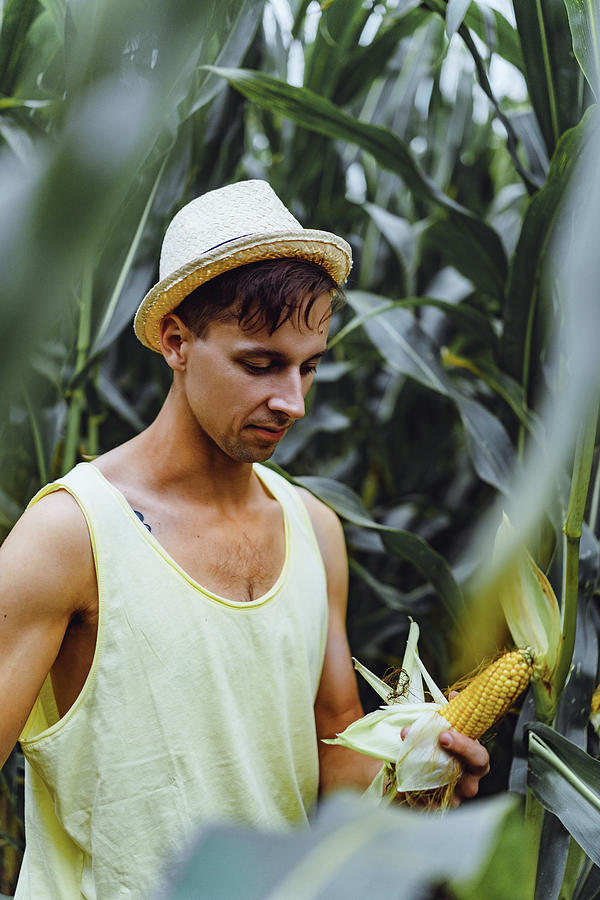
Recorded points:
455,145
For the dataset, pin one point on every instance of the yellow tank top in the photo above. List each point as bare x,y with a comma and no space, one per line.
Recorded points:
196,709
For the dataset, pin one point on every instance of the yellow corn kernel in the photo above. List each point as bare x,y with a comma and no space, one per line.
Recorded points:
596,700
486,699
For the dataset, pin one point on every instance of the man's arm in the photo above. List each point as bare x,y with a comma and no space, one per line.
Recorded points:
338,703
46,567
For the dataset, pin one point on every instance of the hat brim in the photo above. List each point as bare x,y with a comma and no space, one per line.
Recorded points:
329,251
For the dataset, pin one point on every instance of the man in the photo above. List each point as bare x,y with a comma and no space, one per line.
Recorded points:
172,616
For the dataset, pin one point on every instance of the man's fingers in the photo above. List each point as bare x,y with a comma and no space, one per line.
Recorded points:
472,754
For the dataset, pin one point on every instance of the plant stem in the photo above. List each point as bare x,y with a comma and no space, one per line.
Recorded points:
72,437
37,439
582,468
575,859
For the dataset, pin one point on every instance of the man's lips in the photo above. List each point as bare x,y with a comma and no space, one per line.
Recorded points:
273,432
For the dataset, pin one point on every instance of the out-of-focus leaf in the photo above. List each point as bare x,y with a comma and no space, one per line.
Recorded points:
127,264
509,871
387,593
567,782
407,349
338,32
505,386
553,77
231,50
112,395
505,41
404,544
432,567
17,16
455,13
324,419
451,239
9,510
366,63
465,317
584,22
352,850
403,236
531,255
318,114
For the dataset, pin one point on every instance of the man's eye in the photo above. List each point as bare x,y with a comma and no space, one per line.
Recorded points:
257,370
309,369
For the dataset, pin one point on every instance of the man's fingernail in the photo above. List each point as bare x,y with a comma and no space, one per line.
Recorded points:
446,739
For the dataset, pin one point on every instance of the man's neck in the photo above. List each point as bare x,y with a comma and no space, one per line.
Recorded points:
178,457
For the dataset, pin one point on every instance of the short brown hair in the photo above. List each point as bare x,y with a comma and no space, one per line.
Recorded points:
260,294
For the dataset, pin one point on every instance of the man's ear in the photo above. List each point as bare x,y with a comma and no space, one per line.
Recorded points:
175,341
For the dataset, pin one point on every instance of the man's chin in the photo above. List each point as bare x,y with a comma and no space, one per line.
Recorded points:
251,454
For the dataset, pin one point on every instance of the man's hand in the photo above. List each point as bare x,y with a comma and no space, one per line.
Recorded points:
474,759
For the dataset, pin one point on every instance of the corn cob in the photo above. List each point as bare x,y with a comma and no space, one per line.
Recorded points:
485,700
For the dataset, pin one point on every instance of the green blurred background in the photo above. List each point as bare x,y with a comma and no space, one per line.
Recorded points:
441,139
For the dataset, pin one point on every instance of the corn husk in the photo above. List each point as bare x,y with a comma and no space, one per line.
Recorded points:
529,603
416,763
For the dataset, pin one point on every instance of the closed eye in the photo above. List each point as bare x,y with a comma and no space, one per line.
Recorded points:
305,368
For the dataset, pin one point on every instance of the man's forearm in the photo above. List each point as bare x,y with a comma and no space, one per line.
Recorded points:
341,767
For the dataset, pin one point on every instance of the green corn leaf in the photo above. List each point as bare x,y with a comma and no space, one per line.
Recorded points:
455,13
17,17
553,76
352,850
407,349
410,547
469,320
566,780
364,64
584,22
502,37
525,284
316,113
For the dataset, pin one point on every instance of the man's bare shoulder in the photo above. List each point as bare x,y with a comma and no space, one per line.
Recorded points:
330,537
48,555
324,520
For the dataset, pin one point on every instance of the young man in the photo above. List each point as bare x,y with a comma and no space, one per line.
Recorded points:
172,616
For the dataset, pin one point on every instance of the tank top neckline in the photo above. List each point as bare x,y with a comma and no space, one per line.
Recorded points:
173,564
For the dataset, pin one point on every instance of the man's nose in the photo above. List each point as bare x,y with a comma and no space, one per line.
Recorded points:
288,397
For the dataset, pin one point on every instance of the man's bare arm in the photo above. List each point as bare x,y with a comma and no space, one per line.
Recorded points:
46,573
338,703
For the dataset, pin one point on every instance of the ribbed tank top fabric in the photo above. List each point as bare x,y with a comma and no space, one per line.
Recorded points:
197,709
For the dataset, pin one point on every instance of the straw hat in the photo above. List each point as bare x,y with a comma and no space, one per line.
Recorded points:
230,227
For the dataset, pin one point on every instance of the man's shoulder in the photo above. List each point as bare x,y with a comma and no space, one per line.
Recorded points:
52,536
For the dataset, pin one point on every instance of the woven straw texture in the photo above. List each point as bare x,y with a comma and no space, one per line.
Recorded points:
226,228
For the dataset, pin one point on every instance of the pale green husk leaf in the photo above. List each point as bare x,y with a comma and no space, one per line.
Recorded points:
528,602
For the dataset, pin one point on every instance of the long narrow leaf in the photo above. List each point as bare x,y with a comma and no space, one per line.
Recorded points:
527,269
567,781
128,262
318,114
407,349
584,22
404,544
17,16
553,76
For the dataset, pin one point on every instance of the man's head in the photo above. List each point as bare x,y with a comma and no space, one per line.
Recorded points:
238,225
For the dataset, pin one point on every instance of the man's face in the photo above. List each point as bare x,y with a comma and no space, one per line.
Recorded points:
245,389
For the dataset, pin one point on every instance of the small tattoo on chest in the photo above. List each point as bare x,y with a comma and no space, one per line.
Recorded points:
141,518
